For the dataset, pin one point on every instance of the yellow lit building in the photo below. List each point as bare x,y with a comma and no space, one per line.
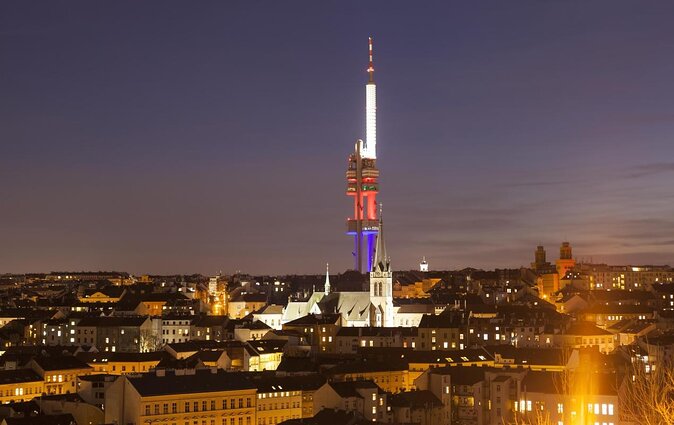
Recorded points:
201,397
585,335
20,385
122,363
548,285
283,398
265,354
108,295
392,377
417,289
60,373
275,403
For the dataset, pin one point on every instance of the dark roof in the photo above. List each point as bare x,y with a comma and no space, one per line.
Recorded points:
99,377
208,355
273,383
316,319
440,321
263,346
619,309
548,382
585,328
297,364
112,321
122,357
18,375
462,375
60,363
62,419
256,325
250,298
365,366
375,331
349,388
198,381
331,417
529,355
110,291
621,295
196,345
409,355
205,320
192,362
415,400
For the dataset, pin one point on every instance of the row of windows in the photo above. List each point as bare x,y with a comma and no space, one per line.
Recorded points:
232,421
158,409
173,331
275,419
19,391
275,406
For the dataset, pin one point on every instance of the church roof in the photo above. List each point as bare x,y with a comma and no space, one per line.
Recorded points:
352,305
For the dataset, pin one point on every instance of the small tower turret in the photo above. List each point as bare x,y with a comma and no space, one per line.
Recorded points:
326,287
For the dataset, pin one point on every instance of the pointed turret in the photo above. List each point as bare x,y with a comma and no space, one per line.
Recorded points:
327,279
381,262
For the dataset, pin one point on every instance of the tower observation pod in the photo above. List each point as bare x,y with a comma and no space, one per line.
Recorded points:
362,181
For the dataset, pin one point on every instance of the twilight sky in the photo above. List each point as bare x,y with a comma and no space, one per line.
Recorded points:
179,137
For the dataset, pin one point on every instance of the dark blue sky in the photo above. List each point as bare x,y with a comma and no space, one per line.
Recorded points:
163,136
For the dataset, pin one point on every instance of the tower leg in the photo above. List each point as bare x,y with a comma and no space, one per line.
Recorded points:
370,249
356,248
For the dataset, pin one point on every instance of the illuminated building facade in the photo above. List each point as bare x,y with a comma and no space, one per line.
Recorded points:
362,180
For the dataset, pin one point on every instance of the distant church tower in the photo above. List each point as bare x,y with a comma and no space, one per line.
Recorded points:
566,261
381,281
423,266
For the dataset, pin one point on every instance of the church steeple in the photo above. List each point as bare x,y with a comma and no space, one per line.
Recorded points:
381,262
327,279
381,282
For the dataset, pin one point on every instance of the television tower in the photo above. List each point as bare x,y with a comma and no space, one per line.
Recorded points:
362,176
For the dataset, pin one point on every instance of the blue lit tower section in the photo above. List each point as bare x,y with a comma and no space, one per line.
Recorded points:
362,175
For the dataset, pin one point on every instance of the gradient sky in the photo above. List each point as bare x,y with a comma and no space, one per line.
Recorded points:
179,137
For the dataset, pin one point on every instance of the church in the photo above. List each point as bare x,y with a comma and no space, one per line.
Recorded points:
360,309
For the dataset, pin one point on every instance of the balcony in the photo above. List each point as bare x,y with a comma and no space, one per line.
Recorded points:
369,226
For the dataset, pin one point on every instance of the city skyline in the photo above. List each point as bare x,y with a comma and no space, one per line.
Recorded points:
175,140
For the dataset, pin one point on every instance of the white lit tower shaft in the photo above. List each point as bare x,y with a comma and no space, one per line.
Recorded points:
370,149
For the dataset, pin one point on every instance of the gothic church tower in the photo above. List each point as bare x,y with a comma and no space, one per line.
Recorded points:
381,282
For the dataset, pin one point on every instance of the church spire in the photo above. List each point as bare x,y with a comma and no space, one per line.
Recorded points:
381,262
327,279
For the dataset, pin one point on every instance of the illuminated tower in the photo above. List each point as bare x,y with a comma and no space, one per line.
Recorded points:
566,261
370,148
361,176
381,282
423,266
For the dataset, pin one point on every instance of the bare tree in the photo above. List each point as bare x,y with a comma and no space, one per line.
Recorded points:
648,398
150,341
